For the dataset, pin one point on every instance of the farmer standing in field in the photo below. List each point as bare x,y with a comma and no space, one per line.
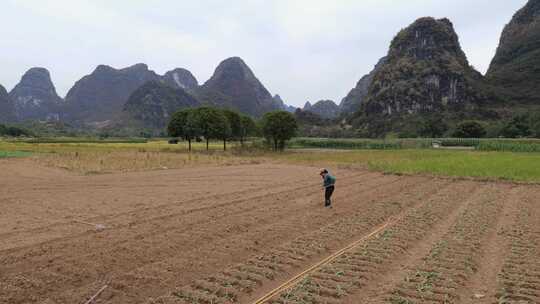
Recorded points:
329,182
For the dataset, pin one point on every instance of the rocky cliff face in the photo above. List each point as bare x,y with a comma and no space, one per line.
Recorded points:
152,105
516,66
351,103
426,71
181,78
325,109
7,111
35,97
234,85
102,95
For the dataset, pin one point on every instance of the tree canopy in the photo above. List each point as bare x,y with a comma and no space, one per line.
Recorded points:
518,126
235,123
13,131
184,124
242,125
470,129
278,127
248,127
212,124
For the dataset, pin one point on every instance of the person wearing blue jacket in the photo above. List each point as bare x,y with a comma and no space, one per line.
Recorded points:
329,183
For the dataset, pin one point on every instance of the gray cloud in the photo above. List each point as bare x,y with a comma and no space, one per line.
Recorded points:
301,49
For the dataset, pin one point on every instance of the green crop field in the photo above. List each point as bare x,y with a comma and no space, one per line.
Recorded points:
507,145
476,164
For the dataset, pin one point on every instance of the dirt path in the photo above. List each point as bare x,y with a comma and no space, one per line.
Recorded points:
232,234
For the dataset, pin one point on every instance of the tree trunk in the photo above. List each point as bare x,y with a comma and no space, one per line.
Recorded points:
242,141
189,145
275,144
207,144
224,145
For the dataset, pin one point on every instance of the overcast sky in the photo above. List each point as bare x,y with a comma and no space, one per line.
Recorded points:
300,49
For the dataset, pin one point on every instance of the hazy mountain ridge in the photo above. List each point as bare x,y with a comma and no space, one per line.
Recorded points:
180,78
7,111
327,109
425,73
35,97
101,95
234,85
152,104
282,105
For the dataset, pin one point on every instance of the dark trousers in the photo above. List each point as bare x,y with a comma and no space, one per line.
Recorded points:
328,195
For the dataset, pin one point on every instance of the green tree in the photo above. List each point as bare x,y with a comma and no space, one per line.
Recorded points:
247,128
535,125
469,129
242,126
517,127
235,122
278,127
432,127
184,124
213,124
14,131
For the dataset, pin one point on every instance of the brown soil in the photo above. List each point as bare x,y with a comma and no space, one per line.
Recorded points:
232,234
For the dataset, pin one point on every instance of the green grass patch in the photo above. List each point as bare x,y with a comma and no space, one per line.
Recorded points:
6,154
477,164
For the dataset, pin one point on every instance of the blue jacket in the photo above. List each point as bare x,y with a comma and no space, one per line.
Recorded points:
329,180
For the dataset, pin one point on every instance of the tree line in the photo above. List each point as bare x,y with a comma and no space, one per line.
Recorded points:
226,125
12,131
519,126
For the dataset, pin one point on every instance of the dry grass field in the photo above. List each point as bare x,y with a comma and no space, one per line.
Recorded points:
229,229
107,157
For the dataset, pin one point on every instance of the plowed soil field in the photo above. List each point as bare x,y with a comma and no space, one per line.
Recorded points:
260,234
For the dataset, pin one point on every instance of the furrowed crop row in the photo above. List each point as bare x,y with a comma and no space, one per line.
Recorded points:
520,275
350,272
453,260
241,280
193,234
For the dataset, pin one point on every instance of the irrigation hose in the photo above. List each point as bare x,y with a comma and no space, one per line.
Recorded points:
91,300
298,278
